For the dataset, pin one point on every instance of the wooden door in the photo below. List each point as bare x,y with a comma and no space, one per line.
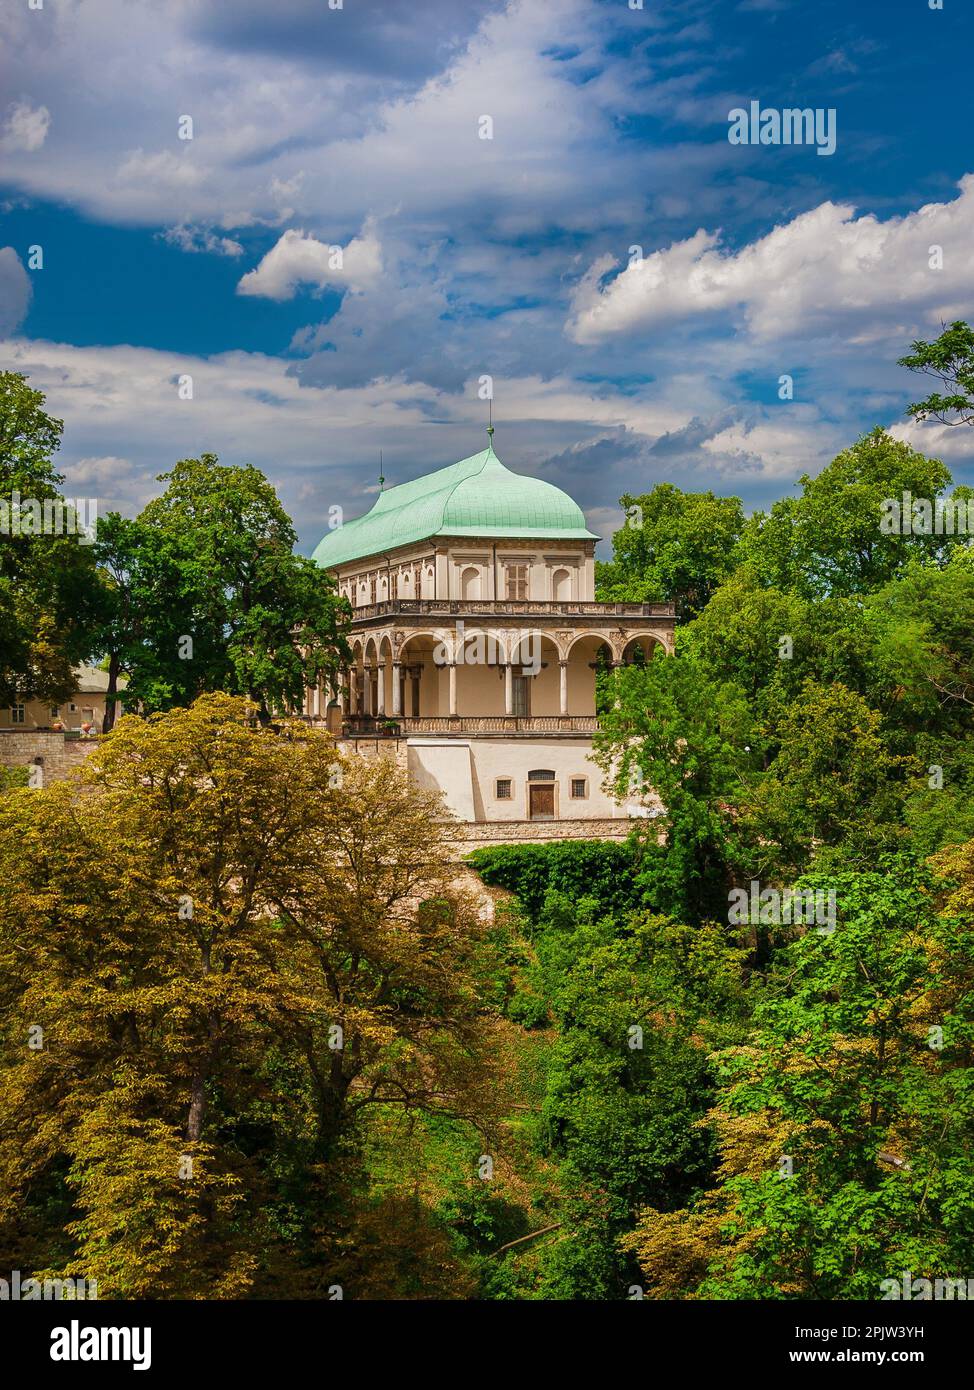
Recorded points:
541,801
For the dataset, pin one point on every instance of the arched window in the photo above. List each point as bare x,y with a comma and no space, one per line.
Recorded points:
561,586
470,582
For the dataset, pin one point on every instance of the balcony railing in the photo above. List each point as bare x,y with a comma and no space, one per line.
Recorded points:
386,725
540,608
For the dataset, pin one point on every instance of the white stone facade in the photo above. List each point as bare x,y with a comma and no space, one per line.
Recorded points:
482,658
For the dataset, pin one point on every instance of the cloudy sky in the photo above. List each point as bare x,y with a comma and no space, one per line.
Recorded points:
383,203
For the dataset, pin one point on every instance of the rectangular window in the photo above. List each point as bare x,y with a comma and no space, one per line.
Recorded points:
394,584
579,788
504,788
521,692
17,714
55,711
517,581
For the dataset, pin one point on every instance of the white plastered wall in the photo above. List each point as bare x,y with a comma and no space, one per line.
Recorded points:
466,772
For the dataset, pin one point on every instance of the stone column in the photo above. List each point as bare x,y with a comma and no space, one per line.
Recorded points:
563,686
316,701
380,686
367,687
508,689
396,688
453,687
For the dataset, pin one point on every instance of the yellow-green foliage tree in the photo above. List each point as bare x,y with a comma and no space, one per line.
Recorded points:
218,949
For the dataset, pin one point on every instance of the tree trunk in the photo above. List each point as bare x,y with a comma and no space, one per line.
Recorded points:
108,723
197,1102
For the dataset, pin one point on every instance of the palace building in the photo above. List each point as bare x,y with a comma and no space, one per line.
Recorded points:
476,639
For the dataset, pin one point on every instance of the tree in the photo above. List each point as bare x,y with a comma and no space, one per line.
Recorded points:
949,359
769,642
830,541
674,545
236,944
48,590
205,593
833,783
845,1121
128,603
668,728
920,626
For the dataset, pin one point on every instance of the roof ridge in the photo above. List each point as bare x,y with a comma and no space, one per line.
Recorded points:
424,477
475,474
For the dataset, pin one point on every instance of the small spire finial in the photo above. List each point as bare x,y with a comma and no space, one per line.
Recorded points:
490,420
381,479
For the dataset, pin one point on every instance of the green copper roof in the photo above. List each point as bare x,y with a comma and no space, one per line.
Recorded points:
476,497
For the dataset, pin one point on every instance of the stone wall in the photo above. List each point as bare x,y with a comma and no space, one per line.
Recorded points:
395,748
60,755
477,835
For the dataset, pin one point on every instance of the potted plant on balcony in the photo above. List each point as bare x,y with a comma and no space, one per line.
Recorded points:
389,728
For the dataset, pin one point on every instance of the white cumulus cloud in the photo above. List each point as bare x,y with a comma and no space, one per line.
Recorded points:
299,259
823,271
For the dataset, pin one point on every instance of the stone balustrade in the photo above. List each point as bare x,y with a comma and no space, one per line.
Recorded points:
485,725
514,608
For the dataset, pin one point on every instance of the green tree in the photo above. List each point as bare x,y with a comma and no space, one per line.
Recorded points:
204,592
949,359
829,540
48,591
832,785
921,627
682,743
675,546
845,1121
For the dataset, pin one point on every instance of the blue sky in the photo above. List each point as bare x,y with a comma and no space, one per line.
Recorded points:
359,128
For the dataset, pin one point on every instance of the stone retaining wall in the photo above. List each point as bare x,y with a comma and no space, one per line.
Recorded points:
59,755
471,835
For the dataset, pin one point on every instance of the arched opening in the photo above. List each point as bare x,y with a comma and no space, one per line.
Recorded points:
470,582
639,650
420,677
372,673
356,681
589,662
535,677
561,586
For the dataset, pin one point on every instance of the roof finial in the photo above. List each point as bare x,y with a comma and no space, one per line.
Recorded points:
381,479
490,421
